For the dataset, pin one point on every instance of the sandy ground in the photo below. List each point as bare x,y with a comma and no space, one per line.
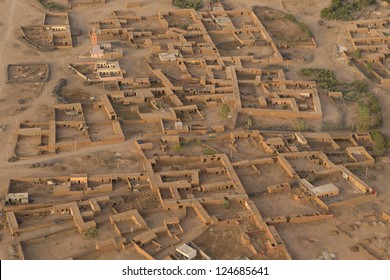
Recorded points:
16,13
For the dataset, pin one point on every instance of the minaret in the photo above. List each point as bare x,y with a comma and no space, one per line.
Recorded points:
94,37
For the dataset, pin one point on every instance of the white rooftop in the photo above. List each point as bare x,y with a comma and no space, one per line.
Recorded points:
324,189
186,251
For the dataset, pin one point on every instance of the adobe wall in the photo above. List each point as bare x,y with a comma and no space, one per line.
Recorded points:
322,204
103,188
249,204
276,220
247,163
142,252
353,201
109,244
30,131
280,113
47,226
202,213
131,215
279,188
275,242
348,175
34,44
12,223
309,217
286,166
200,251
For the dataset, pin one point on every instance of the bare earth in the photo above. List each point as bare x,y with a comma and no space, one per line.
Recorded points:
357,232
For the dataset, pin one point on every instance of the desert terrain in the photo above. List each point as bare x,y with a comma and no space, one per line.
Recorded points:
131,128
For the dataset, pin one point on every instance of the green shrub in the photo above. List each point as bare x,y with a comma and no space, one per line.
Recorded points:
291,17
305,71
359,86
381,143
369,112
208,151
302,125
249,123
374,104
325,78
364,116
92,232
368,107
357,54
188,4
226,203
51,5
177,148
335,126
225,111
343,10
369,66
184,26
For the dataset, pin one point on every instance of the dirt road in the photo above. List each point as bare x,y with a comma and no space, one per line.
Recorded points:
8,16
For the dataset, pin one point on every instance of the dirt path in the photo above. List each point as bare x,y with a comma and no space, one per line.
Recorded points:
89,150
4,39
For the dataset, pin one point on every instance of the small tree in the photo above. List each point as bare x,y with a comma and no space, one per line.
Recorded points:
92,232
208,151
177,148
302,125
381,143
364,116
226,203
369,66
357,54
249,123
225,111
188,4
359,86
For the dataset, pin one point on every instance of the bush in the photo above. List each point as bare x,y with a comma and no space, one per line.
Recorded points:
359,86
51,5
374,104
325,78
368,107
184,26
369,66
333,126
311,178
364,116
305,71
355,91
225,111
302,125
92,232
226,203
357,54
188,4
208,151
369,112
342,10
249,123
381,143
177,148
291,17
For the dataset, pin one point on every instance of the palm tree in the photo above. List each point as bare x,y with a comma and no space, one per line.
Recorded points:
249,123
